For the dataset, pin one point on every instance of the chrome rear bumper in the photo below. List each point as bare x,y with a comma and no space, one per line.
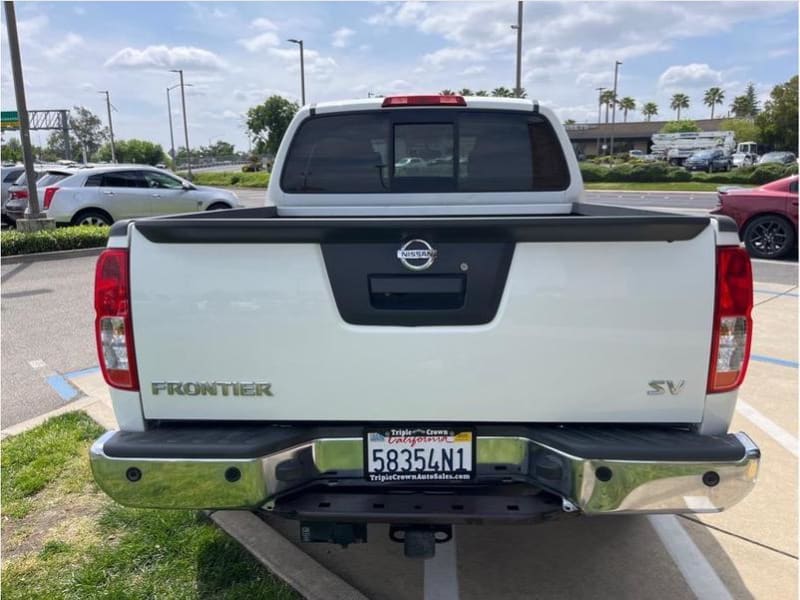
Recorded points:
590,485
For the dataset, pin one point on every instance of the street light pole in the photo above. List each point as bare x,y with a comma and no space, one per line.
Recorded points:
110,126
518,27
614,106
22,111
171,136
185,125
302,71
599,115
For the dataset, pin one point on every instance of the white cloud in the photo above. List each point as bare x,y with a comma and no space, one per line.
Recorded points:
781,52
70,42
264,24
694,75
341,37
79,10
261,41
473,70
445,56
165,57
316,65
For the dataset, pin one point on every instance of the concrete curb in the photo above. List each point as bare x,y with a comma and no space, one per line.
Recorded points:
304,574
94,407
59,255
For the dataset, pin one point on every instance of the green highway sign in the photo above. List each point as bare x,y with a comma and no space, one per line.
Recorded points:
9,119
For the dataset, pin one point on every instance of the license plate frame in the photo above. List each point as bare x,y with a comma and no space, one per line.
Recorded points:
427,438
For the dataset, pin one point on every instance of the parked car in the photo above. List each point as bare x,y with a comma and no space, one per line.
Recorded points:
708,160
766,216
635,153
741,159
781,158
8,175
409,161
18,194
103,195
421,350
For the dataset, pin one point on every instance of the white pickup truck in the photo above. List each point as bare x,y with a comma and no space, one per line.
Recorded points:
425,326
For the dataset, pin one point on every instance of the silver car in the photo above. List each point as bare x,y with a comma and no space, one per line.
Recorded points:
8,176
102,195
18,193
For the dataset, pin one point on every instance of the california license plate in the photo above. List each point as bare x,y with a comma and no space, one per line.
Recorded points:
419,454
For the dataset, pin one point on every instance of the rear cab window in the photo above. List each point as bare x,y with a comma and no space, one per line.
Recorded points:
123,179
424,151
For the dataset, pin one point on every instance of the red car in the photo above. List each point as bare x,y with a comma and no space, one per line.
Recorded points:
766,216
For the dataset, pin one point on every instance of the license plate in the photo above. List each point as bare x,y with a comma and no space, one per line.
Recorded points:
419,454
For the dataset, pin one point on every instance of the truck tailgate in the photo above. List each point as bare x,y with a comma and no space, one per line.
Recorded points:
557,317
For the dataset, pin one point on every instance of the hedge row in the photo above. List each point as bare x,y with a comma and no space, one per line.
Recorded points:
657,172
230,178
51,240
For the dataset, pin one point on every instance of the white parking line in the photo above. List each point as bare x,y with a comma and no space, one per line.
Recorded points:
441,575
775,431
696,570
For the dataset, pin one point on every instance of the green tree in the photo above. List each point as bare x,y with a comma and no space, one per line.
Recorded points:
649,110
746,105
447,92
221,148
744,130
12,150
679,126
569,122
502,92
267,122
607,99
678,102
712,97
56,149
465,92
625,104
88,130
140,152
481,93
777,123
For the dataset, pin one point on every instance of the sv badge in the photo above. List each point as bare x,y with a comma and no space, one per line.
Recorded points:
660,387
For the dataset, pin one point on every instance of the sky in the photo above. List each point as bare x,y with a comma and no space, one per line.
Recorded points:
235,55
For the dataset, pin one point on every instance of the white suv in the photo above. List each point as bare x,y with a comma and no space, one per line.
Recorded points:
102,195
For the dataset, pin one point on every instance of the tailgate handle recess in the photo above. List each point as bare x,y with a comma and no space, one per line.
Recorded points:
417,292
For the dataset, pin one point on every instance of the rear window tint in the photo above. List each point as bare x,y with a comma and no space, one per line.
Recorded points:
12,176
124,179
50,179
441,151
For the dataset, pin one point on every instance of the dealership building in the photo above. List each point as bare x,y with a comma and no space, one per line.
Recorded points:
587,137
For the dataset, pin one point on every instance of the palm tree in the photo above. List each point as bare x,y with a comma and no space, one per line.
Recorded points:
465,92
678,102
502,92
713,97
650,109
627,103
481,93
607,98
447,92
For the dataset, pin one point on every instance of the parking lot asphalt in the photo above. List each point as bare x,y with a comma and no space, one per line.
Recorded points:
747,552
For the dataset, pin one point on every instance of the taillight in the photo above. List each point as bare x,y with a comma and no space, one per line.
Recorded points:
424,101
18,195
113,327
48,196
733,327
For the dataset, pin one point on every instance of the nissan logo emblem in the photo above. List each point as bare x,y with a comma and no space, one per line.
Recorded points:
416,255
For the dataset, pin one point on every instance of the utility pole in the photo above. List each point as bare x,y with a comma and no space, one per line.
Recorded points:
614,107
185,125
302,72
110,126
599,115
518,27
34,219
171,136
